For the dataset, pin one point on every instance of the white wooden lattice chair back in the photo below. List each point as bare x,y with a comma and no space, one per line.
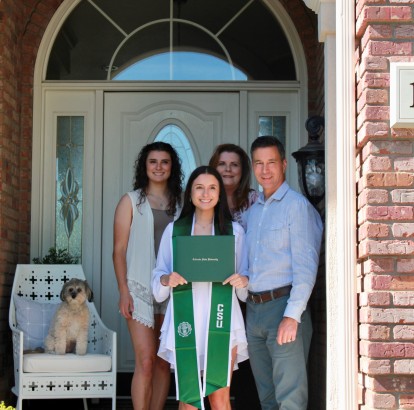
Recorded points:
36,293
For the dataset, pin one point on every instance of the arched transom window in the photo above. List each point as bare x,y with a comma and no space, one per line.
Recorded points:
171,40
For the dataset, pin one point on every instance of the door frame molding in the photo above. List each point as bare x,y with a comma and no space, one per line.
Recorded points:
336,20
340,146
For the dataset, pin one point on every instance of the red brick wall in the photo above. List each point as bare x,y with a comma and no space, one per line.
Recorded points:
10,101
385,168
306,24
22,26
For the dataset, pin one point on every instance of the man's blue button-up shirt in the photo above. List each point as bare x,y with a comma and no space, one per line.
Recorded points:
283,239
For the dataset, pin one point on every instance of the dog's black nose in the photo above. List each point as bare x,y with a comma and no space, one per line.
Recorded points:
74,294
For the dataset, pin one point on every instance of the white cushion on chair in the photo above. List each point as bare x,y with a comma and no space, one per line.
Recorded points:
66,363
33,319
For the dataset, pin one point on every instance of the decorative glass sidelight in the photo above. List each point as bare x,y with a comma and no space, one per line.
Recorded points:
175,136
273,125
69,187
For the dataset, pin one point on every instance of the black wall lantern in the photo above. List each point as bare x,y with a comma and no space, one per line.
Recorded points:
311,162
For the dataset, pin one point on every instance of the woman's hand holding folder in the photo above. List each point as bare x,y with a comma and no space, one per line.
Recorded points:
172,280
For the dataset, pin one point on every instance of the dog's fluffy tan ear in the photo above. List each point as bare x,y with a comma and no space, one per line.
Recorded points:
62,292
89,293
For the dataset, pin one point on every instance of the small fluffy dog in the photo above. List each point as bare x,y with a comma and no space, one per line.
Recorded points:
68,332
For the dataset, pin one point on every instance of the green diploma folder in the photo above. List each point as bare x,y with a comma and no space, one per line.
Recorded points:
204,258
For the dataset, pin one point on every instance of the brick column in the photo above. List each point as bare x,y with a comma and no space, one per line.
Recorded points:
23,24
385,173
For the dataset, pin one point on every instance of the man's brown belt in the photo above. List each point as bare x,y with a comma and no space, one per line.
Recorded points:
262,297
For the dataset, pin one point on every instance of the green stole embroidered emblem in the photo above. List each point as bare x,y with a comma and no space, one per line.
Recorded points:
217,350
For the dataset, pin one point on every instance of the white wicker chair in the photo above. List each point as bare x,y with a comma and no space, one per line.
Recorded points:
43,283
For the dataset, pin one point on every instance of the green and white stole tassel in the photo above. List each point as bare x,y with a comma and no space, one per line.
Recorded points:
217,351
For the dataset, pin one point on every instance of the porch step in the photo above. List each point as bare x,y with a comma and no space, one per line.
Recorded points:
77,404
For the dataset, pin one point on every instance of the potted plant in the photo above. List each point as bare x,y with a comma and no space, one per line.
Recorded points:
56,257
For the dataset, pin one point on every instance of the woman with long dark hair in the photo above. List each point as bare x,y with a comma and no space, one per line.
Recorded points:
140,219
205,212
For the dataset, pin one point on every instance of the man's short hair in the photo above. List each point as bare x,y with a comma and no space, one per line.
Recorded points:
268,141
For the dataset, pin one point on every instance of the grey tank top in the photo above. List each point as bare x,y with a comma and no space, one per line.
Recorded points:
161,220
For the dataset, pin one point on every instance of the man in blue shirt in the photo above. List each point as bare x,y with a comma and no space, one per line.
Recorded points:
284,233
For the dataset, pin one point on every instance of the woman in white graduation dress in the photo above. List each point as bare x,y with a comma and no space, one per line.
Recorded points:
206,211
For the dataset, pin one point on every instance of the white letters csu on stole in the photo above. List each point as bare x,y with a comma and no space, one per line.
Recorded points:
219,321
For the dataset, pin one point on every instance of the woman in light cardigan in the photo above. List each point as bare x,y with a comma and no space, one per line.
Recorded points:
140,219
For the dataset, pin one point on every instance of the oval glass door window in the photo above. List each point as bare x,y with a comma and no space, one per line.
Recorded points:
175,136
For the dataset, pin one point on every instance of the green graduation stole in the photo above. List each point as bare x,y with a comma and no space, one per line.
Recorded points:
217,350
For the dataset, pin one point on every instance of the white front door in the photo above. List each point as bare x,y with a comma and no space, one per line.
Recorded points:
132,120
